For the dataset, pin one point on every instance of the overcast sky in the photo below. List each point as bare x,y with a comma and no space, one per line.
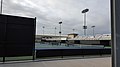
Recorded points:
50,12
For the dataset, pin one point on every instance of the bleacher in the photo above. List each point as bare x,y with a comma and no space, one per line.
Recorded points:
97,37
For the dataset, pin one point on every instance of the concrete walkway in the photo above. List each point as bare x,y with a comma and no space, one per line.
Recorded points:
89,62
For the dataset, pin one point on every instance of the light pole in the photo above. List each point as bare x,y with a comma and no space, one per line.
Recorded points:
73,30
93,30
43,29
1,6
55,31
85,26
60,32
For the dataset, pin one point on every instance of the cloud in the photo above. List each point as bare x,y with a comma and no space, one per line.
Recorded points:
50,12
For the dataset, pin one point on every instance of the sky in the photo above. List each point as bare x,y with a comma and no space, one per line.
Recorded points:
50,12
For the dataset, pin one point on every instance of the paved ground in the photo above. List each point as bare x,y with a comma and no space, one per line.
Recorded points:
89,62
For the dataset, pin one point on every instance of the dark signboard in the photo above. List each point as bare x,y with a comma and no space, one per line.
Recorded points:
2,34
18,36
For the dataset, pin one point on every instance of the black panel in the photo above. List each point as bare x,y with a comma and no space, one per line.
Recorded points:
3,19
21,49
1,50
63,41
105,42
20,33
48,53
20,20
17,36
77,42
2,38
70,52
2,32
20,36
91,51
